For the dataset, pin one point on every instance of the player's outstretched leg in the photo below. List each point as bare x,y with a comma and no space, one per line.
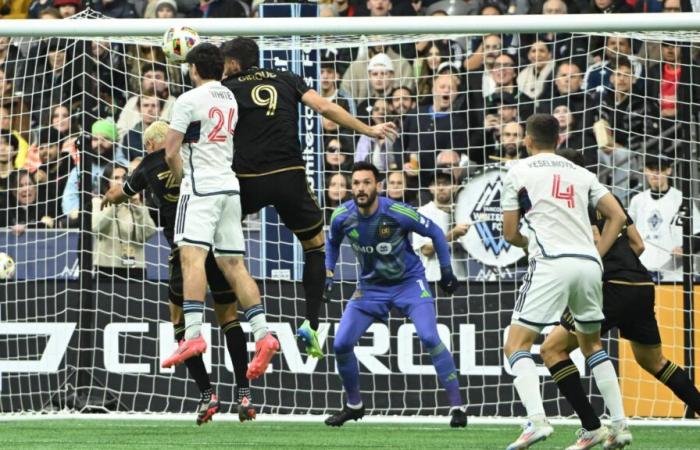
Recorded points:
313,280
423,318
248,295
209,403
194,287
605,378
555,353
353,324
527,383
651,359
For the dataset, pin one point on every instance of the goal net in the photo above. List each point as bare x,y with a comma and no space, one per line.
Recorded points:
84,322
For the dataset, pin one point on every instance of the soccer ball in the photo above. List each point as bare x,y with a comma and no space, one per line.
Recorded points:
178,41
7,267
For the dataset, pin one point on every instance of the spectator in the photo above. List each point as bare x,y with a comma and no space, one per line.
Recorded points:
21,146
37,6
672,6
380,72
509,143
154,79
55,83
11,60
149,105
437,126
120,232
8,153
567,90
345,8
61,122
479,62
337,157
68,8
426,67
221,8
619,126
24,210
328,81
570,131
356,78
378,151
49,14
502,109
503,73
657,215
535,80
166,9
403,100
397,188
118,9
610,6
440,210
52,173
104,150
337,191
597,75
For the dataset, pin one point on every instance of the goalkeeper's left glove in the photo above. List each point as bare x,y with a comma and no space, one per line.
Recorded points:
328,287
448,280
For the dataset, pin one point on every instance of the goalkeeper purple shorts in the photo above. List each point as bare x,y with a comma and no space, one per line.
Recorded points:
377,301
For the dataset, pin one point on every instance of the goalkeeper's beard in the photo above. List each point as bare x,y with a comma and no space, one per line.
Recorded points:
367,200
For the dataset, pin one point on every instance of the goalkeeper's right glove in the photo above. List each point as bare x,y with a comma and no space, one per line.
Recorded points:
328,287
448,281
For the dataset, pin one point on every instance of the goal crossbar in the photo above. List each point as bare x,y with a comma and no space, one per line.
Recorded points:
306,26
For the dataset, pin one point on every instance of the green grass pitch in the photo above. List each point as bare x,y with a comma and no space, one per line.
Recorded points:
156,434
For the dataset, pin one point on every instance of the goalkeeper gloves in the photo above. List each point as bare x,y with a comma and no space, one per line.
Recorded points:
328,287
448,280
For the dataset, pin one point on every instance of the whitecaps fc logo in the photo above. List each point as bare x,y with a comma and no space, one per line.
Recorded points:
479,203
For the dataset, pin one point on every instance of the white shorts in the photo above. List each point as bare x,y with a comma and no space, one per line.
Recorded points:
553,284
210,222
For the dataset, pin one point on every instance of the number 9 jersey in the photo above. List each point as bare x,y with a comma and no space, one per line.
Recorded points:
553,195
207,116
268,136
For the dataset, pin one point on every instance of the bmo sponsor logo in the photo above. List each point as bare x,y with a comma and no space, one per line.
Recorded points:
383,248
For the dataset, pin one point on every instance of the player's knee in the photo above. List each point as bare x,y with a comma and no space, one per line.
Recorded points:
551,352
342,346
431,341
651,363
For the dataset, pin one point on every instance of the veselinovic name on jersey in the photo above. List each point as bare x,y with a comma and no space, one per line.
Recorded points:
207,115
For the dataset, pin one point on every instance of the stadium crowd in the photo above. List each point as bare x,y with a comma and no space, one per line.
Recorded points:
460,105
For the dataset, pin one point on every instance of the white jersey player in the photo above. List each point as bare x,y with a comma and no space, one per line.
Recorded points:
552,195
199,151
655,212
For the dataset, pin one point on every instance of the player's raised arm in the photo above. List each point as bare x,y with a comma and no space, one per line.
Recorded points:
173,141
333,112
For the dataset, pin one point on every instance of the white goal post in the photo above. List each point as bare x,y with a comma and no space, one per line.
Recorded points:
108,334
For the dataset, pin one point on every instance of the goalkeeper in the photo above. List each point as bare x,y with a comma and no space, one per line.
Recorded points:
154,174
392,275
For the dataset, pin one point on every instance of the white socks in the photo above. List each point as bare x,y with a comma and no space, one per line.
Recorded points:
608,385
527,383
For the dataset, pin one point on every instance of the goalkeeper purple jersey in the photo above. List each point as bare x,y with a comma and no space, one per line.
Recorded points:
381,241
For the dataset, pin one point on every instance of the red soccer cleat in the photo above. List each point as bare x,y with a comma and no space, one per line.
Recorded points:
185,350
207,408
265,349
246,410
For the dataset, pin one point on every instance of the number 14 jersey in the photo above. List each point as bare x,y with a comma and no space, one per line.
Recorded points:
553,195
207,116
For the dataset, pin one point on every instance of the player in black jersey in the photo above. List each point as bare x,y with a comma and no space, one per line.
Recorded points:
153,175
628,304
269,164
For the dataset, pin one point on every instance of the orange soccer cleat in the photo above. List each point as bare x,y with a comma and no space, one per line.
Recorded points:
185,350
265,349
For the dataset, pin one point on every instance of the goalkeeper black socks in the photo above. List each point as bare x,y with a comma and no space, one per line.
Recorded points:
566,375
236,343
313,279
195,365
678,381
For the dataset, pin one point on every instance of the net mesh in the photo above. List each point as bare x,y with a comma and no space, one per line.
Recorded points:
460,102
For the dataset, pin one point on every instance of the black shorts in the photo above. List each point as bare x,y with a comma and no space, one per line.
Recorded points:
220,289
288,191
630,308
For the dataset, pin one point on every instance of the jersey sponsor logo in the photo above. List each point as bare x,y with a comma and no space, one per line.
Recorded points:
479,203
362,248
384,248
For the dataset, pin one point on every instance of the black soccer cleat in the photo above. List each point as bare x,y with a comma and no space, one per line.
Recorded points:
459,417
246,410
345,414
208,406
